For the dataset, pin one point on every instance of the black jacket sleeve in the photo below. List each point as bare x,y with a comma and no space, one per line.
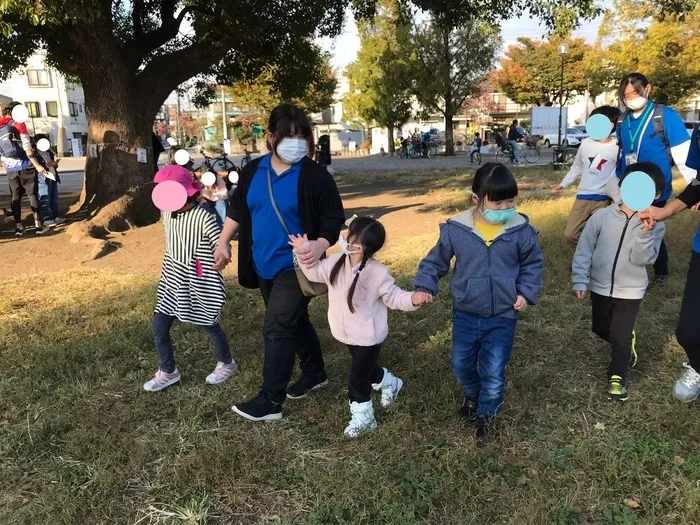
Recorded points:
690,196
330,206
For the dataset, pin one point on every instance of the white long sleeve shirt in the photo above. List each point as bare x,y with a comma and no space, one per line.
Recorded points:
595,163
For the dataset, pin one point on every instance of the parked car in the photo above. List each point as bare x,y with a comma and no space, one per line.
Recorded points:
573,138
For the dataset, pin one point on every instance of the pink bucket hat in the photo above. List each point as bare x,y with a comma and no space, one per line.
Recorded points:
180,175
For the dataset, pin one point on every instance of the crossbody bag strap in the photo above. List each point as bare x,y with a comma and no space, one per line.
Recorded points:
274,204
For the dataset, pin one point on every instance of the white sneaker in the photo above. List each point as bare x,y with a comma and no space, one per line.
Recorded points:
162,380
362,419
222,372
687,388
390,387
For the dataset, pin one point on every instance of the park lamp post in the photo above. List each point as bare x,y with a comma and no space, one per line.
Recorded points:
563,48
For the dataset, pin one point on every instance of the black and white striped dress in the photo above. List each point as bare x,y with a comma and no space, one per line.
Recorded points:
189,289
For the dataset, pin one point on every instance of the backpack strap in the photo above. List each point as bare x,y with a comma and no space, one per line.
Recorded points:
660,131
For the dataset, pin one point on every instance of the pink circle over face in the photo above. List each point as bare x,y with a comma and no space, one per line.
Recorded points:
169,195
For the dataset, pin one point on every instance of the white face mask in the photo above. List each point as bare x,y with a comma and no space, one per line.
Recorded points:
291,151
345,247
636,103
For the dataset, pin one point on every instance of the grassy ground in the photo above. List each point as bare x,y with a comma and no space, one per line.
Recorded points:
80,443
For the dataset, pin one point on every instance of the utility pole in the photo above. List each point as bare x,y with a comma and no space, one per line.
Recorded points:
180,142
562,50
61,129
223,113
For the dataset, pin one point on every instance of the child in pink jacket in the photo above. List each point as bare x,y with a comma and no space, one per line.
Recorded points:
360,290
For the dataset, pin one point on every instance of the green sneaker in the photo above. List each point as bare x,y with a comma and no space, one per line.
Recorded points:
633,357
616,389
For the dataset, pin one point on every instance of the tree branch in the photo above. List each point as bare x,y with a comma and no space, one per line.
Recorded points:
136,13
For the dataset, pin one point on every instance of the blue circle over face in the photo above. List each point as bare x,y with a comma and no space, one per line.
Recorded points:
599,127
638,191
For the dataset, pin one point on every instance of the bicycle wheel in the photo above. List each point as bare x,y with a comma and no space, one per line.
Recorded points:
412,153
432,151
402,153
503,156
223,165
532,155
477,157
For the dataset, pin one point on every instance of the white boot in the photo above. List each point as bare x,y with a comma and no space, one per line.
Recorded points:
390,387
362,419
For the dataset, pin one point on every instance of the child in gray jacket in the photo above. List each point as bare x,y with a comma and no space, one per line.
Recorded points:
610,260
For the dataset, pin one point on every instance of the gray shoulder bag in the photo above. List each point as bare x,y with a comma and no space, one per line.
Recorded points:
308,288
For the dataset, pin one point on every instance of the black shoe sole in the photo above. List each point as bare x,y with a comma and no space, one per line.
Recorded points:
313,388
267,417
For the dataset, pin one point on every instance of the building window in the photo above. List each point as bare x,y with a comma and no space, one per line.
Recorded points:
34,109
52,109
81,108
38,77
73,109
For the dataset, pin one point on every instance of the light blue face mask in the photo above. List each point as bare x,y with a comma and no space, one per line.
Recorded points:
497,216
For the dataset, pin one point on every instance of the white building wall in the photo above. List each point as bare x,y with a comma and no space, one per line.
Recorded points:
69,99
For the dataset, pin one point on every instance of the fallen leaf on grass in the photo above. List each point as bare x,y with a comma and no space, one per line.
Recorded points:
633,503
679,460
599,426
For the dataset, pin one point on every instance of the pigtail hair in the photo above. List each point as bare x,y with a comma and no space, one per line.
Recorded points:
351,292
337,268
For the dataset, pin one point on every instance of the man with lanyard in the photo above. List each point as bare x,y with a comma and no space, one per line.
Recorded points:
658,136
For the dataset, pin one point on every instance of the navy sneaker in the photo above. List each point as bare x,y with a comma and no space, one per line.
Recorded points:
260,408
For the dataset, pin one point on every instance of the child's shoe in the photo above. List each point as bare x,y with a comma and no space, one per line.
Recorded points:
390,387
362,419
687,388
633,358
222,372
484,428
468,410
616,389
162,380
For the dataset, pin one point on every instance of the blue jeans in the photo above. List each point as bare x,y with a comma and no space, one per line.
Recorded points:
481,348
516,149
220,208
48,198
164,345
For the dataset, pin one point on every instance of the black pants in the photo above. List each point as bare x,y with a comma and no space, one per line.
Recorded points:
688,330
364,372
613,321
288,332
661,263
24,181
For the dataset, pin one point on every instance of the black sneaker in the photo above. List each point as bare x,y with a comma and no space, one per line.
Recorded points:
484,428
303,386
19,232
260,408
659,281
468,411
40,230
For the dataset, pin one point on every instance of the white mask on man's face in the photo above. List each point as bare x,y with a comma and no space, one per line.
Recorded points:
291,150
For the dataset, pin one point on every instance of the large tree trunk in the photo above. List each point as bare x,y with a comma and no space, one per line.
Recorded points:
449,135
390,131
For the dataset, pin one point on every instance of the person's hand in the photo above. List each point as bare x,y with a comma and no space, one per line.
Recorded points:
520,304
580,294
298,241
695,207
558,189
222,256
421,298
310,254
648,225
653,213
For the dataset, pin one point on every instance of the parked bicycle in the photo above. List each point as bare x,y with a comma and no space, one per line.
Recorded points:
246,158
531,153
218,164
407,150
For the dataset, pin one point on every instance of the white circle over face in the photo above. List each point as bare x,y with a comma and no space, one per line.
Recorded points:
233,177
209,178
20,113
43,145
182,157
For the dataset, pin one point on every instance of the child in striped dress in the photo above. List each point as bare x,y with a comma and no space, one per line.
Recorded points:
189,290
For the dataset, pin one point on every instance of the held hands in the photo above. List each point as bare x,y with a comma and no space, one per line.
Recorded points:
558,189
421,298
580,294
312,251
298,241
520,304
222,256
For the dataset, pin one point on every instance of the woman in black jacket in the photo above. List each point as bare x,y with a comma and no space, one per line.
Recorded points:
308,200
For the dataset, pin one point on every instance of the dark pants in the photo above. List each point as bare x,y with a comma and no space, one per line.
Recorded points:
364,372
613,321
164,345
661,263
481,348
24,181
288,332
688,330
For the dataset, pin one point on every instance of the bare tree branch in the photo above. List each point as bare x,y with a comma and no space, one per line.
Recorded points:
136,17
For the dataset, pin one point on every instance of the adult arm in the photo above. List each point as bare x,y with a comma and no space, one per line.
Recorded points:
222,255
28,149
529,282
583,257
677,136
435,265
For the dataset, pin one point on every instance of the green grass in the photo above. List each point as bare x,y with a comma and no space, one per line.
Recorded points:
80,443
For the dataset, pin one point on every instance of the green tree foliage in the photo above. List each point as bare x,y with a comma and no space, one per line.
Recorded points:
380,78
451,65
530,72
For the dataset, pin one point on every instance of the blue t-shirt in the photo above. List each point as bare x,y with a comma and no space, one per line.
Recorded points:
694,162
651,149
272,253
